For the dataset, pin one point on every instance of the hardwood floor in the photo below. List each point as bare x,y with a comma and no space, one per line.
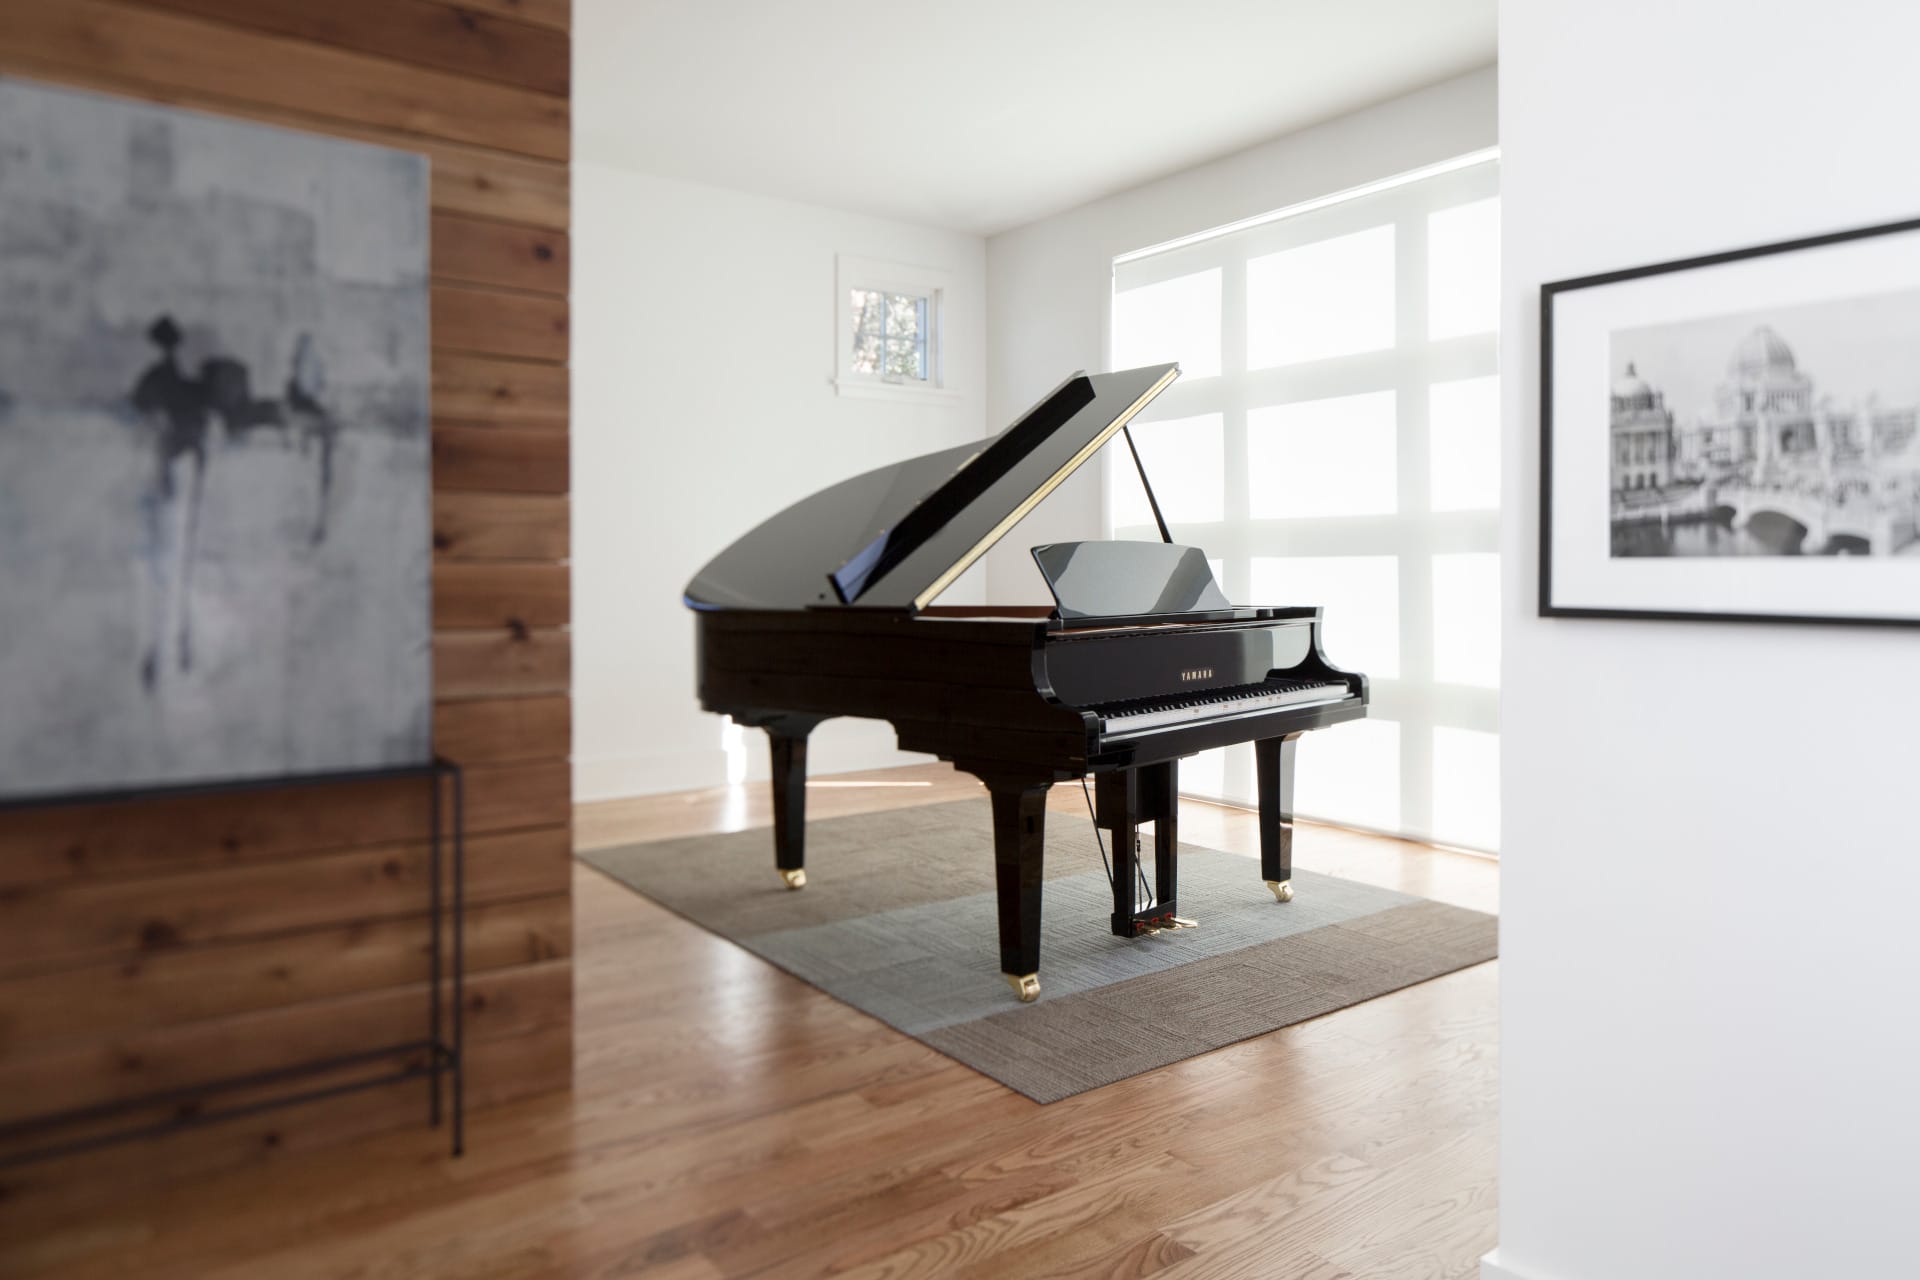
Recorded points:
729,1120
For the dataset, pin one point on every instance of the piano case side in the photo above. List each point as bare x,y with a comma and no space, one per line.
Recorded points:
953,688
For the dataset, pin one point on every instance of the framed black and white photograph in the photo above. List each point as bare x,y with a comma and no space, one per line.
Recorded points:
215,497
1736,437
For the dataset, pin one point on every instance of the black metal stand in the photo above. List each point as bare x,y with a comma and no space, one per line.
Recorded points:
443,1048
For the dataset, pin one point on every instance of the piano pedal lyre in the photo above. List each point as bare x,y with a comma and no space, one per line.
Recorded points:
796,878
1282,890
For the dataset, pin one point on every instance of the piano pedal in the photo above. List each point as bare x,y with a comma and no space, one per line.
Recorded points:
1162,924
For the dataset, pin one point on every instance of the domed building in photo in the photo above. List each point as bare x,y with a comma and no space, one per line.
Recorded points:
1770,427
1764,410
1642,428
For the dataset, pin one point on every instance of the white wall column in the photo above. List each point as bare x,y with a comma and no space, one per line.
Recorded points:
1709,965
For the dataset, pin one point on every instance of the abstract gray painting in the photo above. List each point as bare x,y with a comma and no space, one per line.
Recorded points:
214,452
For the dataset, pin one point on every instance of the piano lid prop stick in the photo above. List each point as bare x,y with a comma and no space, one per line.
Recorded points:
1146,484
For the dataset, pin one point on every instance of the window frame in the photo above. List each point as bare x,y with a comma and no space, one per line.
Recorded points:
853,272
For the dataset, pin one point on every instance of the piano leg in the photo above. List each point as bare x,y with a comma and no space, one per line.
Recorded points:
1019,831
1273,762
787,736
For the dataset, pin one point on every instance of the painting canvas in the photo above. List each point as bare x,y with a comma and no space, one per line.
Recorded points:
1738,436
214,450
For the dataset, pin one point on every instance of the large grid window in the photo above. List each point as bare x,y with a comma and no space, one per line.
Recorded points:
1334,440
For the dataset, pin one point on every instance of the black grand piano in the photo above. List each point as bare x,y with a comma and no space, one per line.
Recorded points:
827,609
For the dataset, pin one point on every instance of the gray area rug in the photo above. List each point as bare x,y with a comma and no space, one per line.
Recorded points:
898,920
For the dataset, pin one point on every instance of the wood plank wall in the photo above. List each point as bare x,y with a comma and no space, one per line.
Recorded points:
144,946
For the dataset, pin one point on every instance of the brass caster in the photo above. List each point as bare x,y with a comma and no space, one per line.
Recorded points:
1282,890
796,879
1026,986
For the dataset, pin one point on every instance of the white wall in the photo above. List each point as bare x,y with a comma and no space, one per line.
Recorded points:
1710,966
703,358
1048,283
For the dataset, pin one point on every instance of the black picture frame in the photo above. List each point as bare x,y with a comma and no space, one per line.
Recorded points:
1550,294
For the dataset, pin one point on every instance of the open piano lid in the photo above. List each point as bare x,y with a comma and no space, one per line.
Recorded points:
896,537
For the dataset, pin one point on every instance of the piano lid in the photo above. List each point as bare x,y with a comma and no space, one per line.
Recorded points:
898,536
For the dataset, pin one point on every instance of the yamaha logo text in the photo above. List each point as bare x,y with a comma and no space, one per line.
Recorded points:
1198,673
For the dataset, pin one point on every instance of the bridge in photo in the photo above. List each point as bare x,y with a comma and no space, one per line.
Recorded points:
1820,513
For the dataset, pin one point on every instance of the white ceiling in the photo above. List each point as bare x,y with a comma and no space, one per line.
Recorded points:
979,115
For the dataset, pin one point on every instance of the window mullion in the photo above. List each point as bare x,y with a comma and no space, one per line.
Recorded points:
1415,559
1237,774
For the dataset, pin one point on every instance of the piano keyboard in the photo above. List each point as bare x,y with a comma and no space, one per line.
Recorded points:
1156,713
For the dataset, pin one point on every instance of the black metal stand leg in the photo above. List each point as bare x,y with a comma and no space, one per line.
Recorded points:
459,961
1019,830
433,953
1273,761
787,738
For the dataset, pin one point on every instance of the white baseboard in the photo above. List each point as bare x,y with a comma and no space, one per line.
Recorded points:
838,746
617,777
1492,1268
847,746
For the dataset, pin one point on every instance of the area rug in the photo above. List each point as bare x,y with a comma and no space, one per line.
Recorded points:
898,920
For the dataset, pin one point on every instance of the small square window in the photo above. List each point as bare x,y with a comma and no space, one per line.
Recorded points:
888,330
889,335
